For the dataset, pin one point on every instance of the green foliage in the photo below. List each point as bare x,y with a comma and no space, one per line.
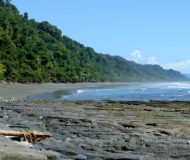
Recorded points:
2,71
25,15
37,52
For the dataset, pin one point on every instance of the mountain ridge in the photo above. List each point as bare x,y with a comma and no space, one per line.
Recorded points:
33,51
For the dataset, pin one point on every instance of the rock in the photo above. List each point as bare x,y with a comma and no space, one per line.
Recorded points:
77,129
151,124
3,82
10,150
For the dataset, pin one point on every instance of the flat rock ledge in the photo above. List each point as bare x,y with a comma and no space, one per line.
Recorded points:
112,130
11,150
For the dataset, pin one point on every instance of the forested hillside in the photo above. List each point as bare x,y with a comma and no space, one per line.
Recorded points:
33,51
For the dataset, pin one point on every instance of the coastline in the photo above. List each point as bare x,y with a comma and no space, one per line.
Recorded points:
109,130
21,90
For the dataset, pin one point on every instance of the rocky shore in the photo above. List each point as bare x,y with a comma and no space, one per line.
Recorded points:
102,130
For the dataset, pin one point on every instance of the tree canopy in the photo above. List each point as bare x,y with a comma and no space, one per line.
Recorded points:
33,51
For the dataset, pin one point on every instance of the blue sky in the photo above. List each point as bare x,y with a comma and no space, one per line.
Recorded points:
146,31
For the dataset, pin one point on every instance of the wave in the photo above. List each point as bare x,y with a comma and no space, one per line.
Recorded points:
137,91
143,89
179,85
79,91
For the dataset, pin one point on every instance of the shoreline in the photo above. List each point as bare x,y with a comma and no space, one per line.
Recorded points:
22,90
19,90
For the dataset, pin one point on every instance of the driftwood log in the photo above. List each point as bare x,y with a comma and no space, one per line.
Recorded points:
29,136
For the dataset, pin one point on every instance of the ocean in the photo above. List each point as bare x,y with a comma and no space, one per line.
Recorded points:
162,91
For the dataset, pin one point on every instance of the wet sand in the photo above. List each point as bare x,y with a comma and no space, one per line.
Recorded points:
22,90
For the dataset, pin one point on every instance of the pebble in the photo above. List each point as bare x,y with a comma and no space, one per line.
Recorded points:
10,99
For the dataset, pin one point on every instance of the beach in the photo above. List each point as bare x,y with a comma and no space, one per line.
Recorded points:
94,80
105,130
19,90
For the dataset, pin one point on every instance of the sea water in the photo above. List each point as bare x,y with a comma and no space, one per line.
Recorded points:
170,91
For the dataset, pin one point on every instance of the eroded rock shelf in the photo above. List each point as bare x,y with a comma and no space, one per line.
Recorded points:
106,130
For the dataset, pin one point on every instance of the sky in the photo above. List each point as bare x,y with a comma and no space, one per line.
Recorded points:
145,31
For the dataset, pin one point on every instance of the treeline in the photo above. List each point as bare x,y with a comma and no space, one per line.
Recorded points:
37,52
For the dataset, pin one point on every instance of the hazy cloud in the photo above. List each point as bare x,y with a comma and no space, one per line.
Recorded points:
183,66
152,60
137,57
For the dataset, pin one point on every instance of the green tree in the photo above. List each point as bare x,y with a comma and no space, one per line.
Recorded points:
2,70
8,1
37,52
25,15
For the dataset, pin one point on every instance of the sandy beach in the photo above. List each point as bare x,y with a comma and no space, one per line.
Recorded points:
18,90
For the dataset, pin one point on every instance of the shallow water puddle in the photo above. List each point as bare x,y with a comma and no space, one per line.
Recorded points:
180,119
101,115
151,153
59,154
131,116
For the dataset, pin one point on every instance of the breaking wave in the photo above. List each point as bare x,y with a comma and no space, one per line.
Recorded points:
123,92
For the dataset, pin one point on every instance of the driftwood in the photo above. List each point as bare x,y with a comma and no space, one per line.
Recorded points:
29,136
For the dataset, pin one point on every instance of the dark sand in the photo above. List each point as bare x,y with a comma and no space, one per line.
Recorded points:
20,91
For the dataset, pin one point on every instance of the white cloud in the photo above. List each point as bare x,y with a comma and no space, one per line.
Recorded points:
152,60
136,56
183,66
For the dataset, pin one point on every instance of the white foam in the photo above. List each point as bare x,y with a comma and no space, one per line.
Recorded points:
65,97
179,95
80,91
143,89
179,85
